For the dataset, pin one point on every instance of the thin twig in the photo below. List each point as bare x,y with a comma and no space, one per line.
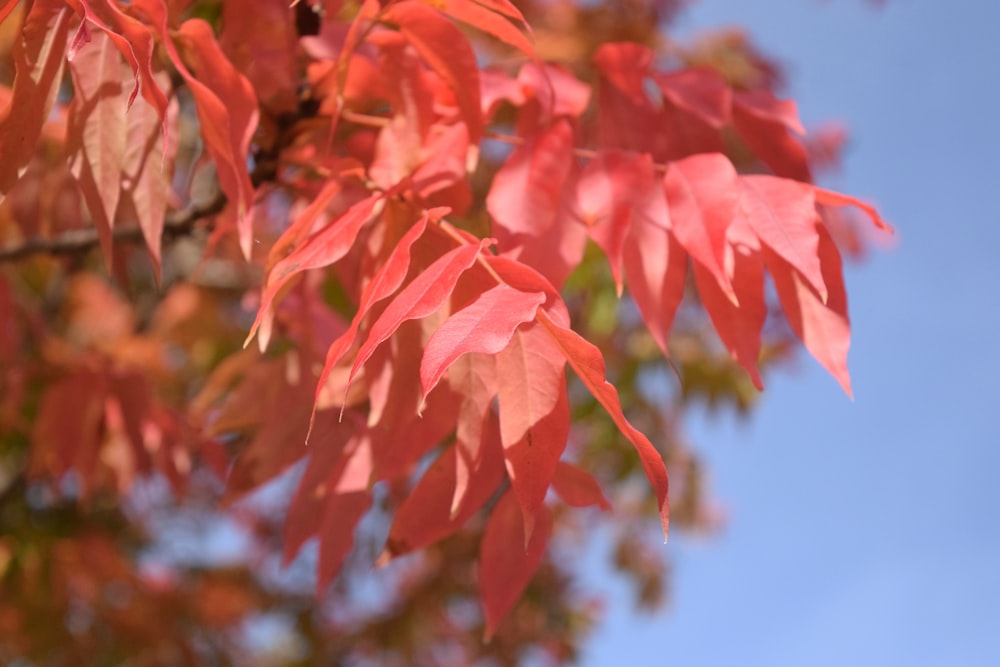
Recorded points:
80,241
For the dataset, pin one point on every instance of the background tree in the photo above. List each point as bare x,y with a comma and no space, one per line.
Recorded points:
424,229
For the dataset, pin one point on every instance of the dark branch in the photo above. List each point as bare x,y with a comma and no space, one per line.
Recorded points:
79,241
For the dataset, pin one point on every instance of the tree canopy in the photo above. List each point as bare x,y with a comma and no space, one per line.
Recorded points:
330,331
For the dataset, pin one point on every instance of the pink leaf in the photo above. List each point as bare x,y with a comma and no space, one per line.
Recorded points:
702,192
341,516
420,298
486,19
97,131
588,363
700,91
525,194
486,325
738,324
823,327
655,269
323,248
831,198
782,213
765,124
534,415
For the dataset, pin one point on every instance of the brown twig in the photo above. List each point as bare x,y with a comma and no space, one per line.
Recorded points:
79,241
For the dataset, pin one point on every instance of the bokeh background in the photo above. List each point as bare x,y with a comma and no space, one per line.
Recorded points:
864,532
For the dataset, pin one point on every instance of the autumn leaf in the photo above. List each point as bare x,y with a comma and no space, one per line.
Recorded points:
505,566
588,363
420,298
485,325
702,192
38,67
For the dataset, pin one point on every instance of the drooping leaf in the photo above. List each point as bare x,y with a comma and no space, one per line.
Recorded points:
147,167
738,324
534,415
702,192
226,105
655,267
427,516
494,20
473,379
822,325
448,52
97,128
420,298
386,280
341,516
610,187
38,67
588,363
577,487
485,325
782,213
767,125
323,248
525,195
700,91
505,567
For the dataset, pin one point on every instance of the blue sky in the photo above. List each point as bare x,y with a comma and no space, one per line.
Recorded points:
866,532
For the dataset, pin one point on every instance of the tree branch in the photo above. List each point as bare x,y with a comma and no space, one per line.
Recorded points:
79,241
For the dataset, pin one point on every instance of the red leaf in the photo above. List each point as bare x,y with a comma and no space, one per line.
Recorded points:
702,191
588,363
447,51
485,325
831,198
38,69
425,294
323,248
782,213
823,327
262,44
475,14
534,415
577,487
655,267
319,481
525,194
97,131
134,41
625,66
341,515
608,190
738,324
473,379
386,281
700,91
504,569
426,515
764,122
556,90
226,106
147,168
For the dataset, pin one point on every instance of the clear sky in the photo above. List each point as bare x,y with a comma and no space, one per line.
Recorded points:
866,532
